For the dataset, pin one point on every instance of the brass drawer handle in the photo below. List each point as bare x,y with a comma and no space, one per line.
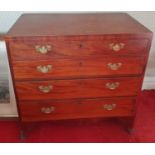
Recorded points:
45,89
44,69
47,110
109,107
43,49
112,86
114,66
116,47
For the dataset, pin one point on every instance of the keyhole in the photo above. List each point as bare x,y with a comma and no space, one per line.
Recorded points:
80,63
80,45
79,101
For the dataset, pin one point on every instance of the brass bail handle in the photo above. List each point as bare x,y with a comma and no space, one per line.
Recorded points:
43,49
109,107
44,69
47,110
116,46
45,89
112,86
114,66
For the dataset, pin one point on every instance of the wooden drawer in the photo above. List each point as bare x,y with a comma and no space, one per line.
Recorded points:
62,48
65,68
71,109
79,88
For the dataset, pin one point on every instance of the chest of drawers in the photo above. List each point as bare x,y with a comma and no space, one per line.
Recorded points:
68,66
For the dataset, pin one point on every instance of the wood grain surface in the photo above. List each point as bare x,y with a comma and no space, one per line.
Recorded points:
76,24
84,108
75,49
78,68
82,46
78,88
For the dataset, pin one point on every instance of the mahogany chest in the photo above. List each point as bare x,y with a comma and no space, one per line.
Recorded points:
69,66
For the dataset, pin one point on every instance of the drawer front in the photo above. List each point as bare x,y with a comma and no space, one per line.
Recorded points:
64,68
55,48
80,88
71,109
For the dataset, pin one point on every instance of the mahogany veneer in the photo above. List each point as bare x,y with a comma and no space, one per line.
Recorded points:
73,68
79,108
69,66
76,49
78,88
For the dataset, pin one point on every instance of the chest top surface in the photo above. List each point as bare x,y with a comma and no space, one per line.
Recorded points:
76,24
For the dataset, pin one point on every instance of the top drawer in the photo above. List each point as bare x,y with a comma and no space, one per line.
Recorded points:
77,48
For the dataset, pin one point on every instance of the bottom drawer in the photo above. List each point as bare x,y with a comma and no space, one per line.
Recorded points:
80,108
